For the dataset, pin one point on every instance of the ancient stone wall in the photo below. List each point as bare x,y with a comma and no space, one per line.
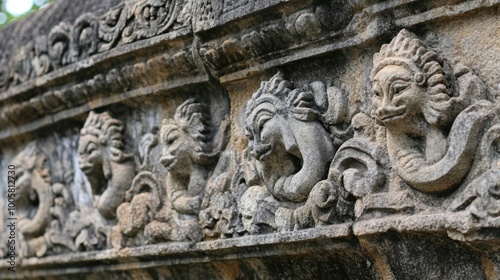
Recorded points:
251,139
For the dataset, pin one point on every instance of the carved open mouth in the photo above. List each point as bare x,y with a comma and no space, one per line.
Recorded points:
168,161
392,115
260,151
87,168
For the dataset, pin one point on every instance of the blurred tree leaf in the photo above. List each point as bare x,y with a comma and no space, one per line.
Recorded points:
6,17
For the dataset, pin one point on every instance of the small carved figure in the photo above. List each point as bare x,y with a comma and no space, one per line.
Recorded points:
188,155
433,118
108,168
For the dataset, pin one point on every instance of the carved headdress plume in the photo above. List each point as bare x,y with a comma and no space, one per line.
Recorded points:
33,158
302,104
109,131
193,118
408,51
274,91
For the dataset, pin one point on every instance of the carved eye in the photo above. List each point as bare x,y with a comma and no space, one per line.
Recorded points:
262,120
376,90
90,148
248,134
171,139
398,87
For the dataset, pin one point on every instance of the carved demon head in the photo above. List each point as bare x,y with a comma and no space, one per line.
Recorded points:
186,138
287,135
409,84
101,139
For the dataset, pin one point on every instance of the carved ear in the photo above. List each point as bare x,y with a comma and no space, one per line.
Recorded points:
220,139
336,109
106,169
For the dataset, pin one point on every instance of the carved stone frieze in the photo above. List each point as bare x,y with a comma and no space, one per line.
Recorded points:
255,139
291,136
414,100
101,85
89,34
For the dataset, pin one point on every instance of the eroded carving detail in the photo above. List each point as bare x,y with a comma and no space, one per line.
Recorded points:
67,43
417,99
290,132
35,198
114,80
286,133
189,152
102,158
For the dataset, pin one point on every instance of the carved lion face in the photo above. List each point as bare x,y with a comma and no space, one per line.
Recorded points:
90,155
398,96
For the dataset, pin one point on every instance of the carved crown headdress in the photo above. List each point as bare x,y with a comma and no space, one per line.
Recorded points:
194,119
109,131
280,92
408,51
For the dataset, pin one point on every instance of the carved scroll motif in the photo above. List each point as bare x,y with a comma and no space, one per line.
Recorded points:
42,207
67,43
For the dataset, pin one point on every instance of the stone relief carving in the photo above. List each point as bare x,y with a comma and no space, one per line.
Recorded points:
290,136
414,99
143,200
67,43
304,26
43,207
35,198
167,209
280,124
188,154
102,158
219,216
434,125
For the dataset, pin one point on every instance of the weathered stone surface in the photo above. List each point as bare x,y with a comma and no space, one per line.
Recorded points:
250,139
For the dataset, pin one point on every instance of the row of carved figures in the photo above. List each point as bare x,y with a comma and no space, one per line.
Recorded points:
434,129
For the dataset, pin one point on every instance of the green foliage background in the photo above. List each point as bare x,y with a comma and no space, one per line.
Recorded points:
10,17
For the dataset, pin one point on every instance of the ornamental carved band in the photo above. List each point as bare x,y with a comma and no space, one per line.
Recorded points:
227,135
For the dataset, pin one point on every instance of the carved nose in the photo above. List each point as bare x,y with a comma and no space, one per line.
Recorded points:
260,149
388,111
167,160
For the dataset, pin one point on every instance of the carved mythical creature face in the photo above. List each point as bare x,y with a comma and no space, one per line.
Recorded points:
268,133
90,154
185,138
398,96
287,137
176,151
